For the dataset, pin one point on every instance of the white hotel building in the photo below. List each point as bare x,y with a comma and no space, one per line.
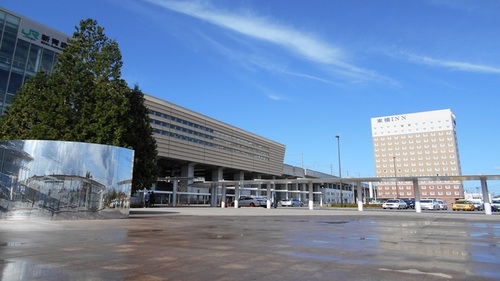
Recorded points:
417,144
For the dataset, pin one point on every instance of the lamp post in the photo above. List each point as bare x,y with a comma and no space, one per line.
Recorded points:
340,170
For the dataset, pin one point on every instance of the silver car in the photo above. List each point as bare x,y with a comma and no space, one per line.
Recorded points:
429,204
442,205
292,203
252,201
394,204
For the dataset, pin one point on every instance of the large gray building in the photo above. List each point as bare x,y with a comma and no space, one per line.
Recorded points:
191,147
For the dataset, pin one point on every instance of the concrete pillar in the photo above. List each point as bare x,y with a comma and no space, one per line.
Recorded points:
239,176
223,197
258,177
359,189
217,175
268,195
237,193
486,196
311,201
416,191
174,192
187,174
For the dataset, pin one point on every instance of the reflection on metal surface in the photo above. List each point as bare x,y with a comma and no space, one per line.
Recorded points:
64,180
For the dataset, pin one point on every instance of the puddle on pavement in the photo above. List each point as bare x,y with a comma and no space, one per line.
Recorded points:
12,244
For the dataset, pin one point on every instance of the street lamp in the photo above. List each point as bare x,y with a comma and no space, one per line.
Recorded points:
340,170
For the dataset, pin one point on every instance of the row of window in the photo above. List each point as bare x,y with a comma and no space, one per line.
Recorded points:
414,164
179,120
409,187
424,193
410,136
433,141
405,131
451,154
224,138
262,156
411,148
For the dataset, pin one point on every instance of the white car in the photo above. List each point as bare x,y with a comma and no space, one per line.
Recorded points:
429,204
394,204
442,205
252,201
291,203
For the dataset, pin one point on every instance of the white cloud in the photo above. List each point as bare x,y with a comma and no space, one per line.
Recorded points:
255,27
302,44
454,65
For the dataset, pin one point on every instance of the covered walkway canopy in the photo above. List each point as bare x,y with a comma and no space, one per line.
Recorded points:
268,186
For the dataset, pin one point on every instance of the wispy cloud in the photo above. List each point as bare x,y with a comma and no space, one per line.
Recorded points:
454,65
260,28
302,44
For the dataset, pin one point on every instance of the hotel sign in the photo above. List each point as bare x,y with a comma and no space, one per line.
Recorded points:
390,119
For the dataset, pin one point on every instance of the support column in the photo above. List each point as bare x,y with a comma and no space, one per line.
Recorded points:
416,192
217,175
223,196
187,175
268,195
311,201
239,176
486,196
237,193
359,189
174,192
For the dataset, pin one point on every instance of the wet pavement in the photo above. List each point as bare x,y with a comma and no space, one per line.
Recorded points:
255,244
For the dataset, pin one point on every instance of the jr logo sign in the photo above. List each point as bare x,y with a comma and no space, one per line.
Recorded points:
31,34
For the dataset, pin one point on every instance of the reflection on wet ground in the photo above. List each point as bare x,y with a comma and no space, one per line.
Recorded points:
181,247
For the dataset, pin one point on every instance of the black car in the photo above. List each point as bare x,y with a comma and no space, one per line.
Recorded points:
410,203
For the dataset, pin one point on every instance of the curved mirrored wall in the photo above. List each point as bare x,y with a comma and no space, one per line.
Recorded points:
64,180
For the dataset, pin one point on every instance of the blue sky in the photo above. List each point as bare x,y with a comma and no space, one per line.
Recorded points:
301,72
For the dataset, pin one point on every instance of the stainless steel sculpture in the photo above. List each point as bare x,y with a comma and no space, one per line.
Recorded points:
64,180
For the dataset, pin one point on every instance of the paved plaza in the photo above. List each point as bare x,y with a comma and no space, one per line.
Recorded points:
203,243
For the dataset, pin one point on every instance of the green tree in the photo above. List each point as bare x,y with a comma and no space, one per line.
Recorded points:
139,135
86,100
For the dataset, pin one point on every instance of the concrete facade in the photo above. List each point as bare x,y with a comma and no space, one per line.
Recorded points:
417,144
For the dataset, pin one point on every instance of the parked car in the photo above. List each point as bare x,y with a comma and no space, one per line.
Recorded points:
429,204
478,204
394,204
442,205
410,204
495,205
463,205
291,203
252,201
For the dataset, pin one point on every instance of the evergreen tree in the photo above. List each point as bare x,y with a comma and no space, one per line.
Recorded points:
139,135
85,100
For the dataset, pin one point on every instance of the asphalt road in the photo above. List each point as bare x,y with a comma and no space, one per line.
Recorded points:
204,243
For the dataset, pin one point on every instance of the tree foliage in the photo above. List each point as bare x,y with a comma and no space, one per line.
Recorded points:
139,135
86,100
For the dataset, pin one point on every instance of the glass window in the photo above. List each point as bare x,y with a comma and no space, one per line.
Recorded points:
47,60
34,58
15,82
21,55
9,39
